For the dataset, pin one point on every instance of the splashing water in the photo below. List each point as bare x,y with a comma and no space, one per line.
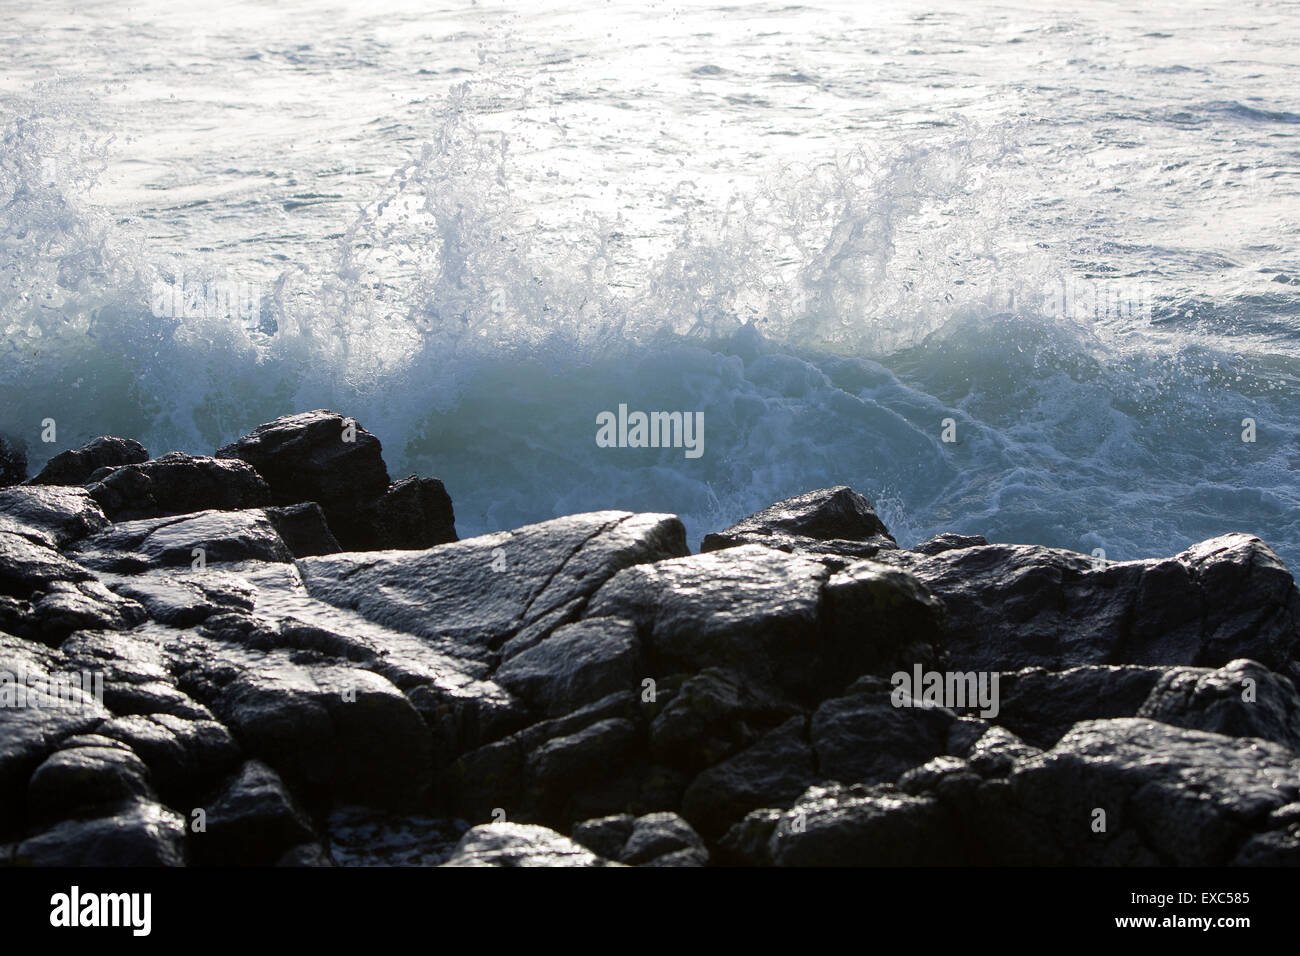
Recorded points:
476,277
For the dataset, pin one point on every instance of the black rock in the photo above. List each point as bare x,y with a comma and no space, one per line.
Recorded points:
1041,705
771,773
13,460
865,738
252,821
81,778
663,839
303,529
323,457
139,833
75,466
177,484
413,514
575,665
833,520
604,836
1015,606
713,715
1240,699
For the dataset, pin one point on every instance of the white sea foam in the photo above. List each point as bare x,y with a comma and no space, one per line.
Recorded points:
826,269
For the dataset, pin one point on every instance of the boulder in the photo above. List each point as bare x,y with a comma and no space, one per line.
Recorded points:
865,738
836,521
784,620
75,466
1240,699
323,457
771,773
139,833
1015,606
1170,796
412,514
176,484
82,778
518,844
713,715
54,516
303,529
1041,705
605,836
252,821
663,839
575,665
470,597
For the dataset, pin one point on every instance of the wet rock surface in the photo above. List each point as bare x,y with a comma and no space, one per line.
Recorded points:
278,656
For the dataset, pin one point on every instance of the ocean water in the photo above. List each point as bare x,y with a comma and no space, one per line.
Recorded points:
1065,238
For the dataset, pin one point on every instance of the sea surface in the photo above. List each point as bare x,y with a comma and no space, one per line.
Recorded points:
1066,237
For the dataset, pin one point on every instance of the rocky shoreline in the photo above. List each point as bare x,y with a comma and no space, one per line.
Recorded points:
278,655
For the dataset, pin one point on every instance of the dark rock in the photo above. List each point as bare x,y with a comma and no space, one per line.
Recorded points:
303,529
413,514
308,457
184,599
658,835
564,765
1240,699
517,844
998,752
253,821
832,520
331,729
864,738
1171,796
75,466
748,843
13,460
177,484
26,567
771,773
854,826
36,713
1016,606
713,715
576,665
185,757
140,833
495,776
605,836
65,607
308,854
1041,705
81,778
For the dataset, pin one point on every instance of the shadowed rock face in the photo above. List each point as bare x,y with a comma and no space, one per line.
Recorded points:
323,457
168,647
75,466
